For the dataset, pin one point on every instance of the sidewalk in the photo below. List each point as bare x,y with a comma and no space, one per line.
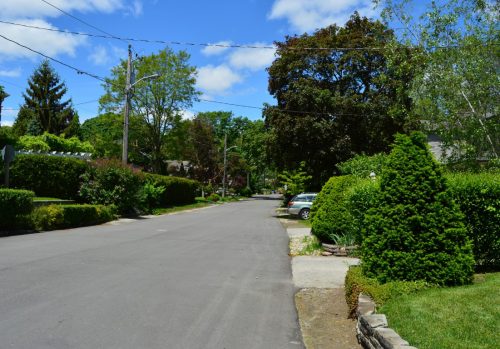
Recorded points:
321,305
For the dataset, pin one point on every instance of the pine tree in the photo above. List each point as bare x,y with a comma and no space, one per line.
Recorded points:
415,232
43,103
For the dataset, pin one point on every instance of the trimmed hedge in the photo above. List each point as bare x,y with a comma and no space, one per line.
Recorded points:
70,216
356,283
332,216
178,190
14,205
478,196
51,176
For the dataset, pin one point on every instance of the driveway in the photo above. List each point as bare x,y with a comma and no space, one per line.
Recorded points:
218,277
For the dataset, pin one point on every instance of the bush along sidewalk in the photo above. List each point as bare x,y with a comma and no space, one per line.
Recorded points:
15,208
71,216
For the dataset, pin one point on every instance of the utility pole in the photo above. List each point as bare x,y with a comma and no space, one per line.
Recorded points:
126,110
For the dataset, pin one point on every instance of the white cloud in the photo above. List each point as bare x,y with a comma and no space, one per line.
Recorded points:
253,59
307,15
136,8
217,79
216,50
50,43
14,73
187,115
37,8
7,122
100,55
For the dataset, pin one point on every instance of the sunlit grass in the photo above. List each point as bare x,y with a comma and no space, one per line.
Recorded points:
466,317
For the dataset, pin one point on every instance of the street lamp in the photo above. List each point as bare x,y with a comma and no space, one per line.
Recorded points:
126,111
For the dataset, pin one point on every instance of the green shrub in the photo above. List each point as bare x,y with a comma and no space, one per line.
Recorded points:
478,196
14,204
332,218
246,192
356,283
213,197
51,176
7,136
109,182
322,196
415,232
70,216
359,199
151,195
51,142
178,190
362,165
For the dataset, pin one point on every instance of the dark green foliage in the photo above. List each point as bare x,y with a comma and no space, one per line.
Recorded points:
334,104
51,176
415,232
332,216
109,182
14,204
247,192
478,196
178,191
363,165
359,199
43,105
7,136
70,216
213,197
356,283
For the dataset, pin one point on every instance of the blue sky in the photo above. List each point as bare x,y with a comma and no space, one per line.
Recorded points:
231,75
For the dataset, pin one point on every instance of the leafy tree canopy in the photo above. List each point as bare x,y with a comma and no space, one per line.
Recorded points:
456,90
158,102
332,104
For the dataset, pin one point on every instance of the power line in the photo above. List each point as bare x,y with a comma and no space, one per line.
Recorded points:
80,20
154,41
75,104
79,71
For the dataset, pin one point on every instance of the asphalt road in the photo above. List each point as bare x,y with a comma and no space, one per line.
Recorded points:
218,277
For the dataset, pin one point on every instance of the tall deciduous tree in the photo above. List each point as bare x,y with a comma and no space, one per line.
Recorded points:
457,90
334,103
205,155
158,102
43,108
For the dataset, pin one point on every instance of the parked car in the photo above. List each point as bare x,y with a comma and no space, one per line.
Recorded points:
300,205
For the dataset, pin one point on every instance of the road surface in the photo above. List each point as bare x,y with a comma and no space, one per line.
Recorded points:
218,277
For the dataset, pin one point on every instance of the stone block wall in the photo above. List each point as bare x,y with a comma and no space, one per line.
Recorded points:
372,329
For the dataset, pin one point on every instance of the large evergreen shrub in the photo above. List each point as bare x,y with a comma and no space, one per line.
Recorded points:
478,196
51,176
332,217
415,232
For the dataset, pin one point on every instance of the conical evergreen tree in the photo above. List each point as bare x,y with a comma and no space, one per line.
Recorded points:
416,230
43,100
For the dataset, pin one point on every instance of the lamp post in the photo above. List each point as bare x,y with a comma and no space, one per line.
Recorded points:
225,165
126,110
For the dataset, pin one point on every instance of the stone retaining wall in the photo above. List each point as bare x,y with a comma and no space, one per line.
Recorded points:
372,330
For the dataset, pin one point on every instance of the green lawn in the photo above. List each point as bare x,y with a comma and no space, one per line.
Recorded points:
165,210
43,198
466,317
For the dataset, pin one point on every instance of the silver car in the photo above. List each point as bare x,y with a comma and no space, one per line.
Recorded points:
300,205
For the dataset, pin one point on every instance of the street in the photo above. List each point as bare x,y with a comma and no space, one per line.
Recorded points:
217,277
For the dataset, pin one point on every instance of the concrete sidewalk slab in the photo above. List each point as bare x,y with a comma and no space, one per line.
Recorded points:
321,272
298,232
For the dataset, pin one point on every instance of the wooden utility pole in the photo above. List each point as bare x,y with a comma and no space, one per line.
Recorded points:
126,110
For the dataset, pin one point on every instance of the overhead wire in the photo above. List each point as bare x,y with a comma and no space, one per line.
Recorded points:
272,47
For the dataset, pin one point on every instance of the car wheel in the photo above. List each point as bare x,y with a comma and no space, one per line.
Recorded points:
304,214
